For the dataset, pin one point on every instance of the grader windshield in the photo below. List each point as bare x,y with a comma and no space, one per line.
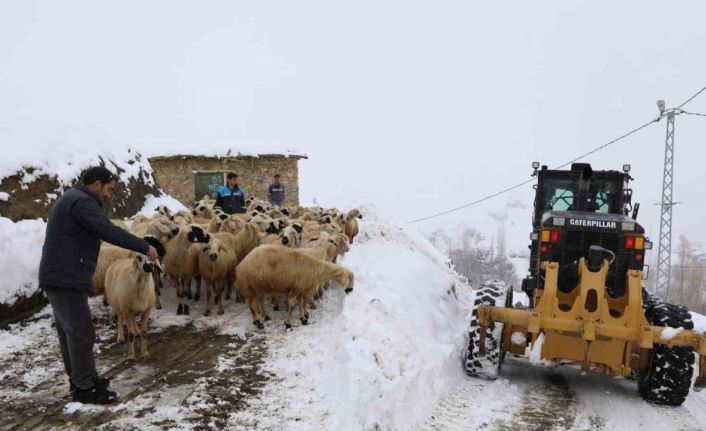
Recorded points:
599,192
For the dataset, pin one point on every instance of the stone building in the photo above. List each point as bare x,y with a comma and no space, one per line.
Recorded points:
189,177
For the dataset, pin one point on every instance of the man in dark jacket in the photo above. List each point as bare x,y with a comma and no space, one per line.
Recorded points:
230,197
275,193
75,227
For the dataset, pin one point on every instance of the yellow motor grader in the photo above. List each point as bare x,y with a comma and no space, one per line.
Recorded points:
587,303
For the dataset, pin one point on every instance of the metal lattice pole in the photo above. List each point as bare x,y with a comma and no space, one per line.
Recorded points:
664,257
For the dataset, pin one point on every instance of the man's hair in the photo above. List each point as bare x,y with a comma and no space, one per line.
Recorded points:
276,175
231,175
98,173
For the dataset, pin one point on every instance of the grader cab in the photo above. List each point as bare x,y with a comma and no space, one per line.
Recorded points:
587,305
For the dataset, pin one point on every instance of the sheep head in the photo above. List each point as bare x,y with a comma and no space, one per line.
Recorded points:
143,264
197,234
213,249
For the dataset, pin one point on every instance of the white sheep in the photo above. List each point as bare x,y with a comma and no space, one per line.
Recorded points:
216,264
351,227
129,289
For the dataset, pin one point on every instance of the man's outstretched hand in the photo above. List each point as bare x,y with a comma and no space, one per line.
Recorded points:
152,254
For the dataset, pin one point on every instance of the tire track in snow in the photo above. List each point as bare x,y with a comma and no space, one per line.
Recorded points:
560,399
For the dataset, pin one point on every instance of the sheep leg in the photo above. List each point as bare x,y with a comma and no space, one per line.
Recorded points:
144,354
197,279
180,307
303,315
229,288
131,338
157,284
275,303
187,288
121,333
261,305
208,299
219,291
291,298
254,310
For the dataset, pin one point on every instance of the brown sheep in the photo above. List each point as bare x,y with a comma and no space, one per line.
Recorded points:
284,271
120,223
216,263
180,264
233,224
352,223
215,225
129,289
160,227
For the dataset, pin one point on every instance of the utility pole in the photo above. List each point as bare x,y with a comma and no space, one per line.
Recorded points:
664,256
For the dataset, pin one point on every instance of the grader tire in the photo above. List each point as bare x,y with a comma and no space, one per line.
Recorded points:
668,379
487,366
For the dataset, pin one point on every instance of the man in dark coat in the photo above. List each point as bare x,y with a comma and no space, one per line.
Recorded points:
275,193
75,227
231,197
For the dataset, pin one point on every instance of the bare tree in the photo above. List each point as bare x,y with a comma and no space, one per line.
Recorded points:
473,260
688,277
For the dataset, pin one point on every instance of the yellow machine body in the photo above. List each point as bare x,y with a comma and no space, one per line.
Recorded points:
588,327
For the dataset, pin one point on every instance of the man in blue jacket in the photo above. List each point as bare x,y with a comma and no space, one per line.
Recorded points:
75,227
230,197
275,193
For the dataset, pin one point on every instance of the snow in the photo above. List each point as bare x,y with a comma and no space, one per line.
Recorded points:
72,150
20,252
699,321
380,357
534,352
669,333
4,197
520,297
152,202
518,338
68,157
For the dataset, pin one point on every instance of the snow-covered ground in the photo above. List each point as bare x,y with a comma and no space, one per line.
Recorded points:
378,358
384,357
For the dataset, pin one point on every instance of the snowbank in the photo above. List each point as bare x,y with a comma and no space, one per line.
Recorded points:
20,251
152,202
380,357
66,159
699,321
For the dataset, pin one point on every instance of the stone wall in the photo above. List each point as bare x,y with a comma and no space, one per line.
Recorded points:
176,174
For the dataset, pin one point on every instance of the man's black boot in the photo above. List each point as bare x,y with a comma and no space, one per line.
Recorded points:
94,395
99,382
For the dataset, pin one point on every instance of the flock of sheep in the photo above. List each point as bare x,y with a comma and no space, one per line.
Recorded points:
286,253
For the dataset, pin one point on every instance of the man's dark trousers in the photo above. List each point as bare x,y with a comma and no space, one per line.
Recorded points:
76,334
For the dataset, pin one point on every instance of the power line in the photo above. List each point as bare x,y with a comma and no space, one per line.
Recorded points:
633,131
693,113
532,179
692,97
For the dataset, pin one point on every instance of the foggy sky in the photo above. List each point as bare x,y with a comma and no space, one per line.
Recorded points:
407,108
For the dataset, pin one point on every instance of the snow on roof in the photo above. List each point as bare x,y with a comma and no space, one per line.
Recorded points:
216,149
68,153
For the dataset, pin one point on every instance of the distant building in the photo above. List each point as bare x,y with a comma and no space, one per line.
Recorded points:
189,177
